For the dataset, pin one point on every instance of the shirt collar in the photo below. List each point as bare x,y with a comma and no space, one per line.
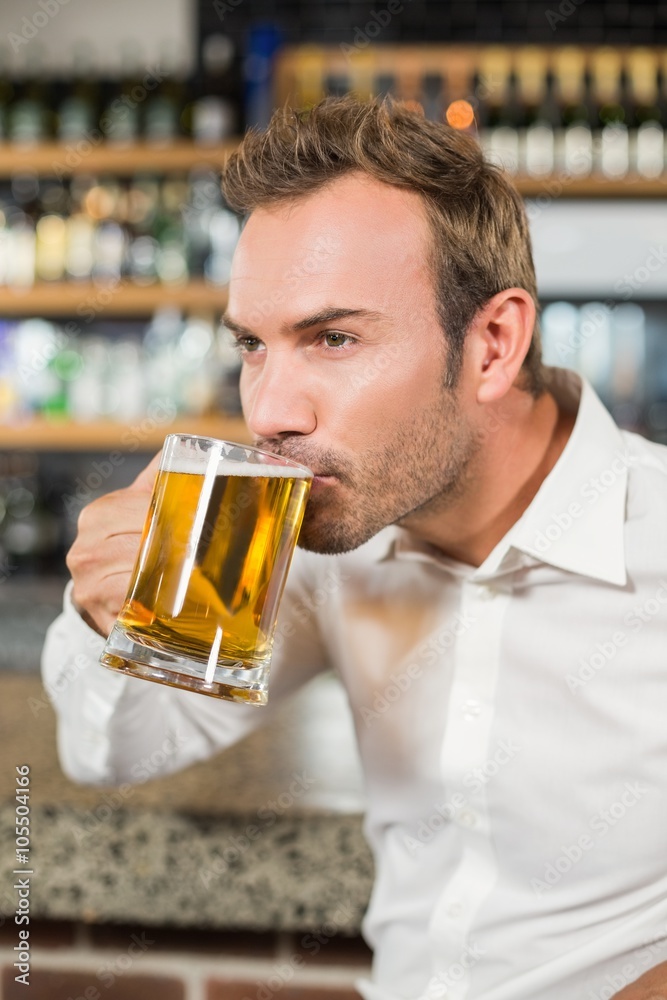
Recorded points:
576,519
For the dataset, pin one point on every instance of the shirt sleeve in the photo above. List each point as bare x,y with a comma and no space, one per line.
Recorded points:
113,729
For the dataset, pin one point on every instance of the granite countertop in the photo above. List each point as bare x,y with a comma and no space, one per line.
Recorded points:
204,847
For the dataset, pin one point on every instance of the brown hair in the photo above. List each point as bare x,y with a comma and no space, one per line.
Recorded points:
481,243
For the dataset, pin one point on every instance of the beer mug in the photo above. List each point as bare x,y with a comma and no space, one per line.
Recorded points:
201,608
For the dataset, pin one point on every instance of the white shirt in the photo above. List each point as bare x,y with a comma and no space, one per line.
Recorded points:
511,720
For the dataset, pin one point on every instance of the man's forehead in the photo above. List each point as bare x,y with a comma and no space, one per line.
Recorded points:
335,231
354,207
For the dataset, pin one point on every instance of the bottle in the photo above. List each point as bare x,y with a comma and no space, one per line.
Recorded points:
258,73
647,143
212,114
540,118
309,71
120,120
362,66
78,110
433,96
496,88
595,353
560,340
21,246
409,79
337,83
6,93
29,116
574,140
169,229
629,365
50,248
612,140
384,86
164,107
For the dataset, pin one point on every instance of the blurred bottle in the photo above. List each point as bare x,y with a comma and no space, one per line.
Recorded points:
612,140
204,201
21,251
160,356
560,335
87,393
540,114
228,399
36,344
496,92
647,145
10,397
309,75
595,352
29,530
50,248
258,65
337,83
125,390
120,120
163,123
574,142
212,114
224,233
433,97
78,111
409,79
385,85
6,93
629,364
198,366
29,116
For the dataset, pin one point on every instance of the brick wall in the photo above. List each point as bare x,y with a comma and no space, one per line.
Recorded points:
101,962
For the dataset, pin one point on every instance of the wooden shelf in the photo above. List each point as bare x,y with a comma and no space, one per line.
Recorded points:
53,158
87,300
558,186
107,435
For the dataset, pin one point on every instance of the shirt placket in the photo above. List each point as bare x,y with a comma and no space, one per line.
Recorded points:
466,747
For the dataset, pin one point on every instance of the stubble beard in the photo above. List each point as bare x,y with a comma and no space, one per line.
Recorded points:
423,472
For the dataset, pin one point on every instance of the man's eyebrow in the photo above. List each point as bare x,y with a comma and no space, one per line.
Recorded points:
236,327
332,313
327,315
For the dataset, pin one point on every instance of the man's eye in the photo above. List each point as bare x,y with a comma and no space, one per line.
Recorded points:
333,339
247,345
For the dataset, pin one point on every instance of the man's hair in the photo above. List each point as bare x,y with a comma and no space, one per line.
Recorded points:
481,243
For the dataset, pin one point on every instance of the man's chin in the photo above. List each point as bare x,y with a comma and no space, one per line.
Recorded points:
327,546
331,540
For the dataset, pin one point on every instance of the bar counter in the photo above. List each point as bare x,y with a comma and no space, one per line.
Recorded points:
265,836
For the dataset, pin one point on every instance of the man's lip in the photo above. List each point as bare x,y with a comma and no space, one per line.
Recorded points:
322,481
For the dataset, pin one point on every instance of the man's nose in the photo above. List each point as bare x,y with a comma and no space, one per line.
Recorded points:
276,401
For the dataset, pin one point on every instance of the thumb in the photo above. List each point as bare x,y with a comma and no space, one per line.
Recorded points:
146,479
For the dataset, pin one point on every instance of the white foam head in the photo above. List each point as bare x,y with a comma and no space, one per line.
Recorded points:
186,459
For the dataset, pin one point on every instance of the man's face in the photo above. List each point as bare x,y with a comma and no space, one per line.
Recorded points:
344,358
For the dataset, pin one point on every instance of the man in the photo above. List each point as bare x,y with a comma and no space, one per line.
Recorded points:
492,554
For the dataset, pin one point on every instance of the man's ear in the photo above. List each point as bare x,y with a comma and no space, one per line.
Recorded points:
498,341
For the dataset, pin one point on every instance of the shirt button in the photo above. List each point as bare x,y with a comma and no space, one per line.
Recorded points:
468,817
455,909
485,592
471,709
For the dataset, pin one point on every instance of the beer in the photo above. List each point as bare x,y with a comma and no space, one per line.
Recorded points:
214,555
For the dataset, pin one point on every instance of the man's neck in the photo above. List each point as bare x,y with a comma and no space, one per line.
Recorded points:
505,475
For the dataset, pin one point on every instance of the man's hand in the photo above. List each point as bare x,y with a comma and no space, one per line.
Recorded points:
102,556
651,986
